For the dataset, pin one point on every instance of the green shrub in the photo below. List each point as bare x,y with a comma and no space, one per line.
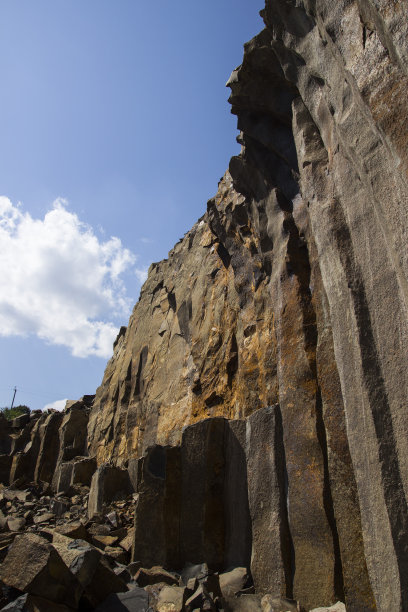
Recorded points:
12,413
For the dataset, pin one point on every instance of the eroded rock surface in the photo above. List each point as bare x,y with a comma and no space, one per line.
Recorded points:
292,288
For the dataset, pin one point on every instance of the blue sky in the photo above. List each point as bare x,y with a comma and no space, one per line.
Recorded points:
115,131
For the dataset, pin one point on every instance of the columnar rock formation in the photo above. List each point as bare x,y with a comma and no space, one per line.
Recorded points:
292,289
282,315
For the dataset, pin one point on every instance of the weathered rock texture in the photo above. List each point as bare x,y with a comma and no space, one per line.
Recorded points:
292,288
291,291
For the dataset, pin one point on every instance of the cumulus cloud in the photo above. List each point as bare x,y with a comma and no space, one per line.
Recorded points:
57,405
59,281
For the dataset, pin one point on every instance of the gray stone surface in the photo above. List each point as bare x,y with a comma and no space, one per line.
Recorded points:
271,571
108,483
136,600
157,510
34,566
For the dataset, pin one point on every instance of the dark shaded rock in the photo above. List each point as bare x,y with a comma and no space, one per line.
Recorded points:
91,570
34,566
136,600
75,530
83,470
202,523
88,400
5,467
20,421
59,506
5,437
5,540
32,603
108,483
157,510
18,604
238,534
48,452
191,571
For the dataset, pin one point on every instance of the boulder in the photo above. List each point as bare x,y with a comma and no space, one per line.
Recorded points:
44,517
33,565
74,530
16,523
170,599
101,541
91,570
270,603
145,577
233,581
136,600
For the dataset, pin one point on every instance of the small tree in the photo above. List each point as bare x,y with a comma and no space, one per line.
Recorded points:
12,413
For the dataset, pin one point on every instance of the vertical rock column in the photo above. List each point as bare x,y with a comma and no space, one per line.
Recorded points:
202,526
192,501
272,555
156,478
317,570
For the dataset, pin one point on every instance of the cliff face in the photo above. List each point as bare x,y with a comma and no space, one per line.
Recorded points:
292,290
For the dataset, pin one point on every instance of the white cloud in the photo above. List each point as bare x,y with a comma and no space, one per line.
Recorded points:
57,405
141,274
59,281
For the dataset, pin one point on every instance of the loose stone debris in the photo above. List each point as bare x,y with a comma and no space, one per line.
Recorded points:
54,557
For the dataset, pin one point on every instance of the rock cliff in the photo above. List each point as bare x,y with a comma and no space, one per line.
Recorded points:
277,330
292,289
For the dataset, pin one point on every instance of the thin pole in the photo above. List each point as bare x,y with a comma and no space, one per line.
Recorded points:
12,403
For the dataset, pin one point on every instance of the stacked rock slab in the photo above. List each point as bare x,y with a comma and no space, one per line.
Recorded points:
36,448
220,498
